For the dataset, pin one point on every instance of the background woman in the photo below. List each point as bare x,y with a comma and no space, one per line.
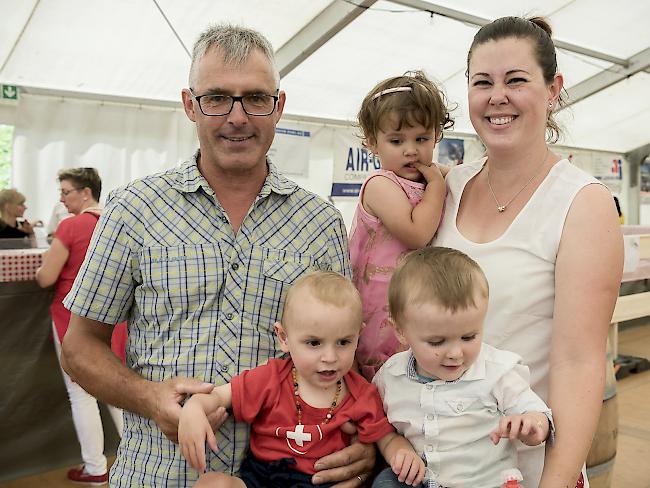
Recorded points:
545,233
80,192
12,208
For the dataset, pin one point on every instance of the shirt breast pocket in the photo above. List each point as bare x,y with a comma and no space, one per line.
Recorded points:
281,268
462,405
286,266
179,281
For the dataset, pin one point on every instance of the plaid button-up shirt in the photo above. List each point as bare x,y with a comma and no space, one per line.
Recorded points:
201,301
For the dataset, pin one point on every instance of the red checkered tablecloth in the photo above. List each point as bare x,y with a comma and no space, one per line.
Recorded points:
20,264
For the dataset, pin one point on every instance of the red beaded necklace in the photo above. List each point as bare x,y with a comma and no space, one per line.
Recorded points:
330,412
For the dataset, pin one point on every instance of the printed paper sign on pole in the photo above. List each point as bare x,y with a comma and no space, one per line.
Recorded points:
290,150
609,170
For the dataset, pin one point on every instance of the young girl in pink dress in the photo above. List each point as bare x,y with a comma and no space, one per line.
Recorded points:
401,119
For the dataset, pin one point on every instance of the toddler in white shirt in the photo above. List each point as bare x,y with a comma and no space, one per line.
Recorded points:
452,396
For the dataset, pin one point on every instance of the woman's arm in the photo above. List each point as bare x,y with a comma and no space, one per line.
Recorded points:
413,226
587,278
53,261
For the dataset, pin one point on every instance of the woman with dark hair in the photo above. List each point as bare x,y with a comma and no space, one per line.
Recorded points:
546,235
80,189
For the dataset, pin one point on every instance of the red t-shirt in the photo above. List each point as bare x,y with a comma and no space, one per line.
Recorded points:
74,233
263,397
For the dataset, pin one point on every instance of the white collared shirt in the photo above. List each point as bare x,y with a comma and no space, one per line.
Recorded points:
448,423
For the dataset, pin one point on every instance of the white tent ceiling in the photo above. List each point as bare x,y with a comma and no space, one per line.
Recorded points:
331,52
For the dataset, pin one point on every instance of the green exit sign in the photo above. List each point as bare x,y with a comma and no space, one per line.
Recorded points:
9,92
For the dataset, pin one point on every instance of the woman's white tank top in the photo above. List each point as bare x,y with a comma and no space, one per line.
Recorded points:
520,268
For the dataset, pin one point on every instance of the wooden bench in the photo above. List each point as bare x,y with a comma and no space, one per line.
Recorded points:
635,306
631,307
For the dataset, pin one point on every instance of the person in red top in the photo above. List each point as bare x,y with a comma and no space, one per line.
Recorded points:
80,192
296,406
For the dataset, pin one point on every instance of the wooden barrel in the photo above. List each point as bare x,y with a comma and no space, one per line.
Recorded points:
602,454
600,476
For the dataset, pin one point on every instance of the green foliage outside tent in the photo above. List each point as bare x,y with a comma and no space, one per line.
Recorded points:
6,138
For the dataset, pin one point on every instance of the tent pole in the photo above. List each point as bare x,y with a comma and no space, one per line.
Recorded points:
20,36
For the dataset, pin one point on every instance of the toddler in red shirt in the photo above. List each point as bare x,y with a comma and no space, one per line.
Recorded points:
296,406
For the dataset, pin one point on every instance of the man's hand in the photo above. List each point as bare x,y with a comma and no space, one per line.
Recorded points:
165,403
350,467
531,428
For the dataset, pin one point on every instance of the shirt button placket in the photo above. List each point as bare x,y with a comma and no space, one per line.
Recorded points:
430,427
230,331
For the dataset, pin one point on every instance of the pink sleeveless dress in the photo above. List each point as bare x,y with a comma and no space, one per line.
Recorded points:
374,253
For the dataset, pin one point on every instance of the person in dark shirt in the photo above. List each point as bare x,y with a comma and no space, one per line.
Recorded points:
12,208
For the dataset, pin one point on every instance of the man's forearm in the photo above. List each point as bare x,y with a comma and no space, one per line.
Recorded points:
88,359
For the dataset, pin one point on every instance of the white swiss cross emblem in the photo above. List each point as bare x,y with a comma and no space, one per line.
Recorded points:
298,439
299,435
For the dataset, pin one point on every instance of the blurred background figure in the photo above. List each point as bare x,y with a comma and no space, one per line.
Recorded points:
59,212
80,189
621,217
12,209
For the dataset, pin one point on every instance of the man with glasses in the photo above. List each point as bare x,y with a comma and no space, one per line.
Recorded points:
199,259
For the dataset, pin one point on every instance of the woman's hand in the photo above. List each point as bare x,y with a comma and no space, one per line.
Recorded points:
26,227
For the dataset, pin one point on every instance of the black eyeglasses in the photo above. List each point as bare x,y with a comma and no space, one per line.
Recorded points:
65,193
258,104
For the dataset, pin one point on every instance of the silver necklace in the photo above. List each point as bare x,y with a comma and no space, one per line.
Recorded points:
502,208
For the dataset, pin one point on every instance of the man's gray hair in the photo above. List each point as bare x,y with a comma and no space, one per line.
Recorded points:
235,43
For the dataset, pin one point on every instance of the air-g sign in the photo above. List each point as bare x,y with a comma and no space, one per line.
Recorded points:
361,160
353,163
